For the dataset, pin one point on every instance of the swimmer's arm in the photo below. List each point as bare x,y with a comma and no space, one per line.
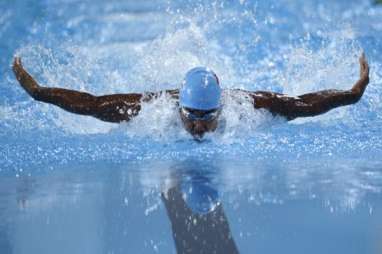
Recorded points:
312,104
110,108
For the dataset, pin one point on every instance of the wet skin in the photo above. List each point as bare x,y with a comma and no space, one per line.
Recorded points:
118,108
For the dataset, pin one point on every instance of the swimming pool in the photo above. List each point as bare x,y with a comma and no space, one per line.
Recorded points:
74,184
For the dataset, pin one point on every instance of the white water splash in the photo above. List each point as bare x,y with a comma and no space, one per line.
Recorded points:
243,47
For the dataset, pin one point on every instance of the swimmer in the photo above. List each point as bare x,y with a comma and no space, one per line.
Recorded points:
198,99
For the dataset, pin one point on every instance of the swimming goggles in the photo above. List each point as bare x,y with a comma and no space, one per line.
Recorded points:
200,115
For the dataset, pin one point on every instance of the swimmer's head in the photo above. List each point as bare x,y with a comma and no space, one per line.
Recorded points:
200,90
200,101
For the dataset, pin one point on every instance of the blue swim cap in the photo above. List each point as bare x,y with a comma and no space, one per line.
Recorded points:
200,90
199,194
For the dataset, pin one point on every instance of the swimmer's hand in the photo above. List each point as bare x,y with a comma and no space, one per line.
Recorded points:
25,79
363,81
364,67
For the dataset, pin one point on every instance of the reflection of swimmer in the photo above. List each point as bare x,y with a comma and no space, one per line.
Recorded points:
197,218
199,99
25,188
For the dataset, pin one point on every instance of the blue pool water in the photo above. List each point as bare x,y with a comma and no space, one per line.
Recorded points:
74,184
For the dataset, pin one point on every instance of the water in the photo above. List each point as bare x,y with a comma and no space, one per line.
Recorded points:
111,208
74,184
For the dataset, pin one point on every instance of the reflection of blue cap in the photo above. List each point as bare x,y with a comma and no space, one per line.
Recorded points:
199,195
200,90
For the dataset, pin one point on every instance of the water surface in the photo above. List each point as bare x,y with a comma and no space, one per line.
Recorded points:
74,184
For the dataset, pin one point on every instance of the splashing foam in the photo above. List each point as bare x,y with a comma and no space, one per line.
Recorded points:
333,66
161,64
240,118
161,120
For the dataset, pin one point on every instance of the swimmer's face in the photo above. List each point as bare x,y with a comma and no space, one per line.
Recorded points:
198,122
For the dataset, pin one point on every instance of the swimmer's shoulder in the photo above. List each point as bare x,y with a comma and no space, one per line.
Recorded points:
238,92
172,93
253,94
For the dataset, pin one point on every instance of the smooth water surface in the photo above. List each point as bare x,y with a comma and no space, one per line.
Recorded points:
74,184
130,208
